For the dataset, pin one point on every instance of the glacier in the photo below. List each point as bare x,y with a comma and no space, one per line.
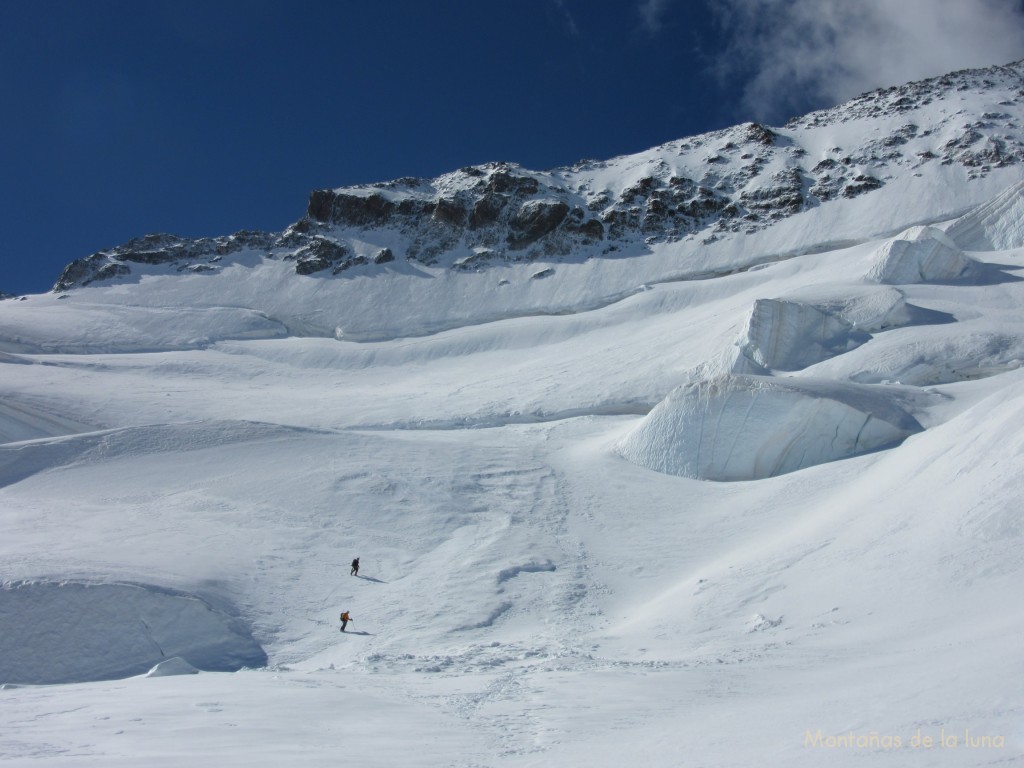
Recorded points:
738,464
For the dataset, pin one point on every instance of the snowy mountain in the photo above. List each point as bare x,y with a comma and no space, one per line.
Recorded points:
710,454
588,235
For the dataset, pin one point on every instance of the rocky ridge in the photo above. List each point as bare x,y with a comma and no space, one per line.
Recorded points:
738,180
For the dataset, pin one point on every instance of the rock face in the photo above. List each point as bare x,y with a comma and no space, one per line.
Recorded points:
717,185
740,427
533,220
161,249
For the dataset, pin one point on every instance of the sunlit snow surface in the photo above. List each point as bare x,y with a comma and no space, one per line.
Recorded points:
766,518
751,428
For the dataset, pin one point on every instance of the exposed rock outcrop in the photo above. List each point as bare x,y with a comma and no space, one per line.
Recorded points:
730,182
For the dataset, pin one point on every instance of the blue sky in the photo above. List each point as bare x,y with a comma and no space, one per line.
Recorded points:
203,118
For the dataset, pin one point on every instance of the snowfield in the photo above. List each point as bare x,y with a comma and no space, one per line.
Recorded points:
760,511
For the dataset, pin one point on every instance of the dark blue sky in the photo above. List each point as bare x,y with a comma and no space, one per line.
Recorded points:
206,117
202,118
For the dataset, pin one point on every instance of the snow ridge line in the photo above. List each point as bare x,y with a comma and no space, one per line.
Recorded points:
510,419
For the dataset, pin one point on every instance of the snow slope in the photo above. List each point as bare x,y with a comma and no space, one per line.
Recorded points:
749,510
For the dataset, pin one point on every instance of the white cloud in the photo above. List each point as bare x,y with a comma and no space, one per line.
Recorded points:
800,53
567,18
652,13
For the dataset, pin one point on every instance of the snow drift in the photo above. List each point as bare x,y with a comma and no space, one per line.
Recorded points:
527,596
997,225
750,427
19,421
67,632
172,667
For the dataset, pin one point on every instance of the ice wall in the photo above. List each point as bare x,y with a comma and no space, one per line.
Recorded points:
65,632
740,427
920,255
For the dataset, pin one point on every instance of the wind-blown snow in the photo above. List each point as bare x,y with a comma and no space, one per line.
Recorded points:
998,225
173,666
20,421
